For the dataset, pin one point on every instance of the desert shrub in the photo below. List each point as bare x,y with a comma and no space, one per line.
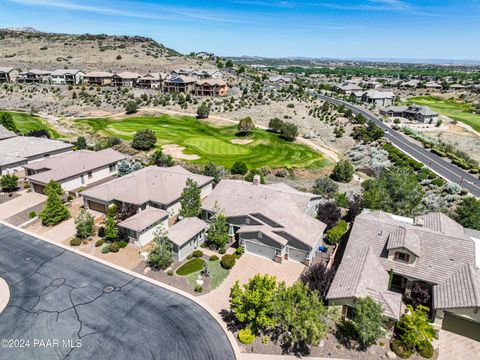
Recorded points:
325,187
32,214
438,182
114,247
246,336
131,107
99,243
425,349
75,241
197,254
198,289
222,251
239,252
213,258
144,139
228,261
170,272
105,249
400,350
239,168
122,244
343,171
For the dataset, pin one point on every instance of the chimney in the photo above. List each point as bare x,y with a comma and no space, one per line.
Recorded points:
256,180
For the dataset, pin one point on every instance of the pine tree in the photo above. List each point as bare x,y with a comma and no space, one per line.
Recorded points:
111,230
191,200
54,211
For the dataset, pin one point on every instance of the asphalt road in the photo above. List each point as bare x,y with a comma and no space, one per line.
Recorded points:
442,167
60,300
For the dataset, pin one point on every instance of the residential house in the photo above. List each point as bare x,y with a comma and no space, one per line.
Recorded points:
431,85
183,72
348,87
457,87
375,97
413,112
151,80
74,170
153,186
66,77
280,80
386,255
372,84
186,236
141,227
16,151
273,221
34,76
98,78
8,75
410,83
179,84
125,79
204,55
210,87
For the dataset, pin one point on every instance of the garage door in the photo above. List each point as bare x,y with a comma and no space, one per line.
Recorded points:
38,188
296,254
259,249
461,326
96,206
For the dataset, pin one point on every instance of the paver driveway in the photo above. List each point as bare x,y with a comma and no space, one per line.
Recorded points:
247,267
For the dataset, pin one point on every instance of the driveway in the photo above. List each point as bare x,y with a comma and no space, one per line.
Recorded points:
26,200
247,267
60,300
453,346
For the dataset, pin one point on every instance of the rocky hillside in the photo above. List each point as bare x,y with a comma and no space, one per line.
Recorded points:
24,48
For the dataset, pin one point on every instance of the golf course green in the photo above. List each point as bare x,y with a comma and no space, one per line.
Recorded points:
26,122
450,107
212,143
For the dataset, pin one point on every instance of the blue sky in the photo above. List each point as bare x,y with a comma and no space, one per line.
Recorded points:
432,29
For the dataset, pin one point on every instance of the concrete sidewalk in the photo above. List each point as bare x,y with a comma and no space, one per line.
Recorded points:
24,201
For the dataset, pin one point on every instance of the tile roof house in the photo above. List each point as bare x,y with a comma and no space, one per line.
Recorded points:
210,87
16,151
98,78
273,221
431,249
34,76
179,84
414,112
375,97
153,186
125,79
152,80
74,170
66,77
186,235
141,227
348,87
8,75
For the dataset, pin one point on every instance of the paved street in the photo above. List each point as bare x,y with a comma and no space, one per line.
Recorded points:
447,170
57,295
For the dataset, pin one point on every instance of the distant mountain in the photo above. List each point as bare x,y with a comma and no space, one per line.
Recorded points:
26,29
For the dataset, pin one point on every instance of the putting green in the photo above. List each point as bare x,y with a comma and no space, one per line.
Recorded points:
452,108
212,143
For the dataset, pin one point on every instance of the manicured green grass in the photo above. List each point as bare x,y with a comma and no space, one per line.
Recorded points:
217,275
213,143
450,107
26,122
190,266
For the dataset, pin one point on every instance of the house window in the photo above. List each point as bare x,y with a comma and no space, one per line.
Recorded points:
247,220
112,167
90,175
401,256
260,235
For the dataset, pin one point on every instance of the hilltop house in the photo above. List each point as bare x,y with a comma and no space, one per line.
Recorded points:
386,255
16,151
204,55
413,112
210,87
179,84
8,75
348,87
280,80
375,97
273,221
98,78
125,79
153,186
66,77
34,76
74,170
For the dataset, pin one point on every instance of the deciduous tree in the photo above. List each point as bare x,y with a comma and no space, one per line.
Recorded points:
84,224
190,200
161,256
368,321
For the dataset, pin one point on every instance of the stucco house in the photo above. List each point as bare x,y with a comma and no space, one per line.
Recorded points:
348,87
210,87
186,236
98,78
179,84
16,151
151,80
413,112
66,77
34,76
432,85
279,80
273,221
141,227
152,186
375,97
125,79
8,75
386,255
74,170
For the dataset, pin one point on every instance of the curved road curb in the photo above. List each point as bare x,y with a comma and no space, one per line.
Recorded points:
4,294
213,314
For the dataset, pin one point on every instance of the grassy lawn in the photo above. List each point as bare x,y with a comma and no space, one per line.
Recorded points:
213,143
190,267
26,122
217,275
450,107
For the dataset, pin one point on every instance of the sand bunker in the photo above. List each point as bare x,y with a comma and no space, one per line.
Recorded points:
241,141
177,152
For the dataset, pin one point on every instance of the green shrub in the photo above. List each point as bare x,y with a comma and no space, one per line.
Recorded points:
122,244
438,182
228,261
170,272
246,336
32,214
213,258
197,254
239,252
99,243
239,168
114,247
422,176
198,289
105,249
222,251
438,152
189,256
425,349
400,350
75,241
334,235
